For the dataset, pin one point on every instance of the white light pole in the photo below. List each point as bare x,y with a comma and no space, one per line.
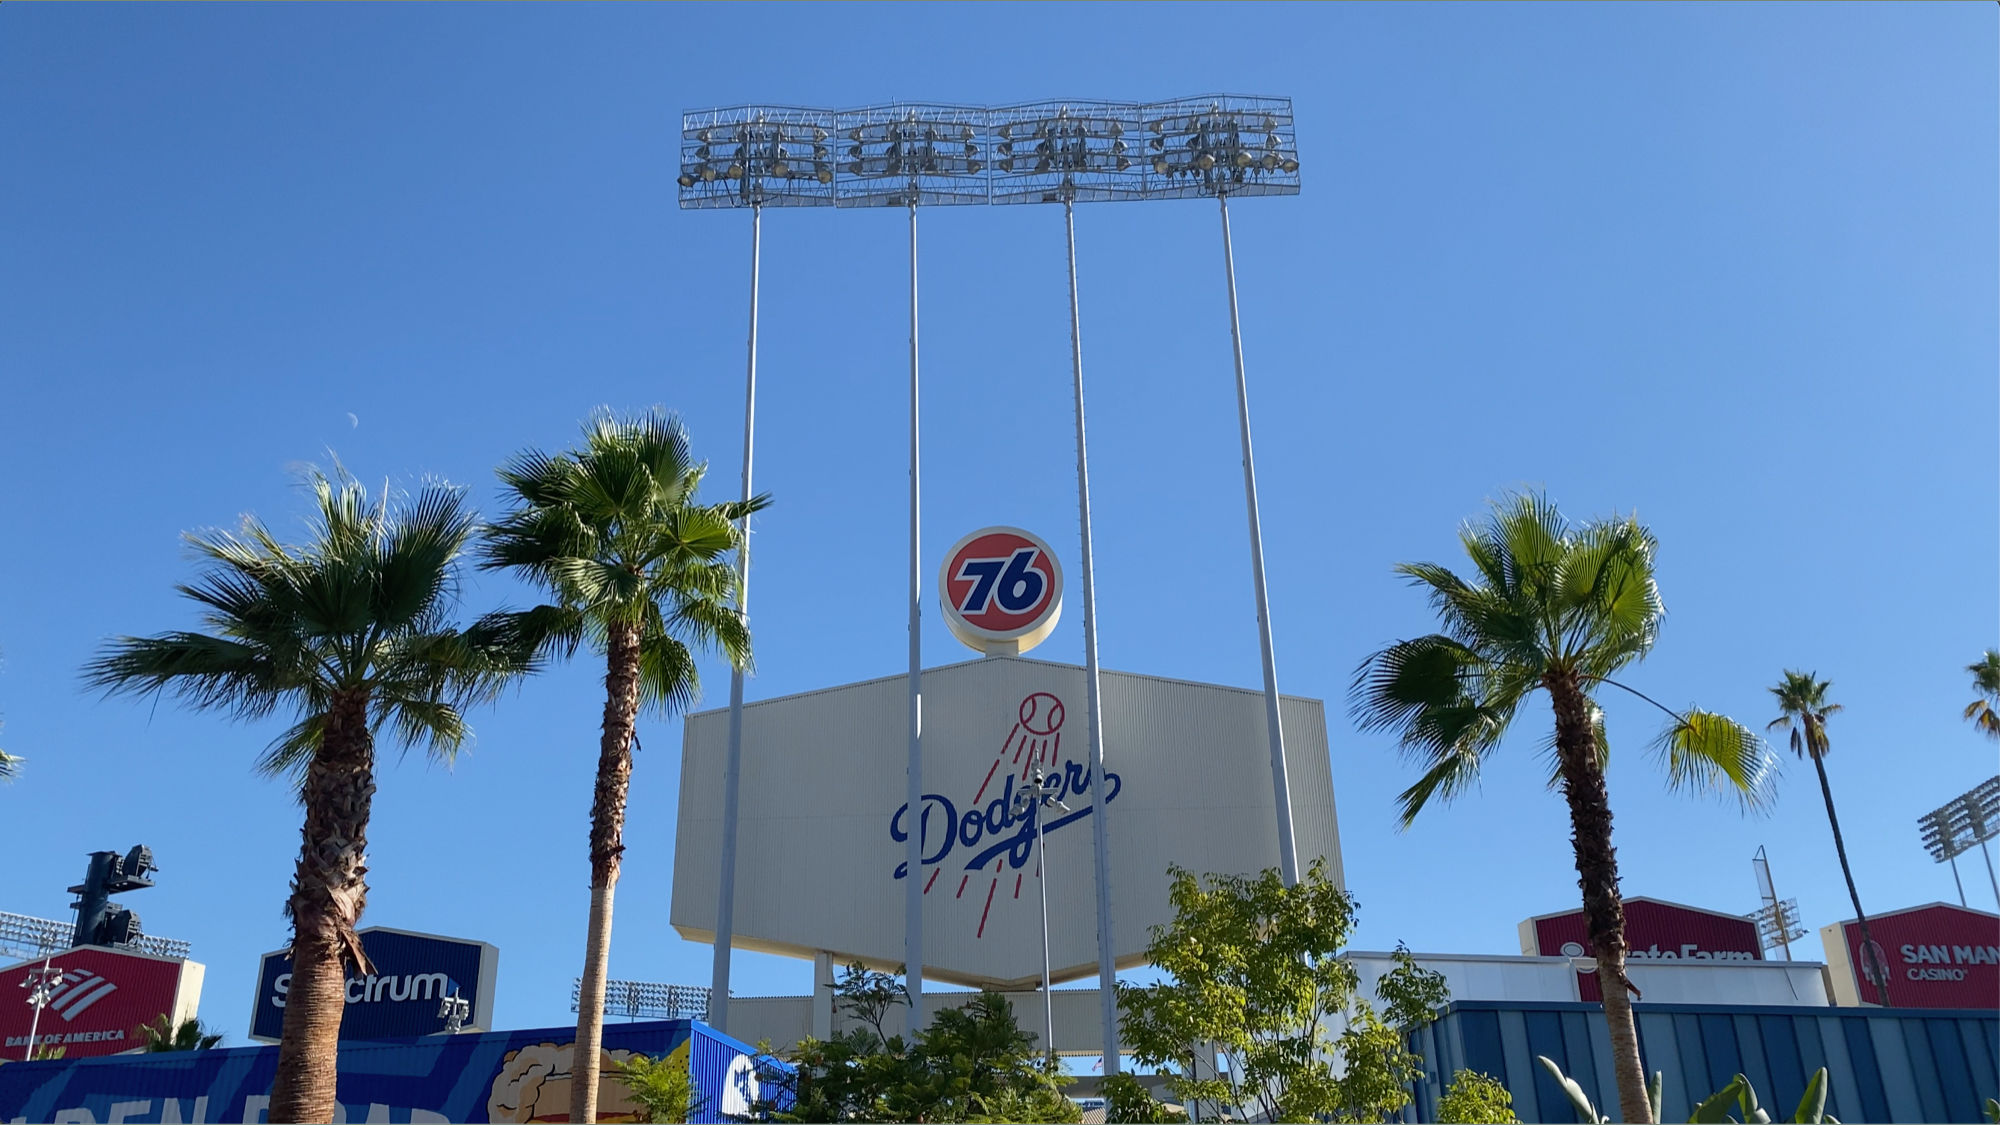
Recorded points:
913,888
1030,800
732,774
41,985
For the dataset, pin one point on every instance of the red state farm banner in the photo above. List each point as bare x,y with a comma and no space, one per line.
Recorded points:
103,998
1937,956
1655,930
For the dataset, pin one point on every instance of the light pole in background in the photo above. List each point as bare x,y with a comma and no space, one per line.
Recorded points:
41,984
1029,801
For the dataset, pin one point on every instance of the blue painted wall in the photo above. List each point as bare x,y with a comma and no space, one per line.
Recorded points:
497,1076
1891,1066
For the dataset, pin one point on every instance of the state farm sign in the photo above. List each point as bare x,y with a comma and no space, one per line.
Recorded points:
1655,930
1937,956
104,998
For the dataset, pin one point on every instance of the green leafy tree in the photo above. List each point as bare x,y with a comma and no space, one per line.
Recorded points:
663,1088
1556,608
1377,1066
1254,971
971,1064
164,1034
1803,708
1127,1101
350,632
1476,1099
1984,710
614,534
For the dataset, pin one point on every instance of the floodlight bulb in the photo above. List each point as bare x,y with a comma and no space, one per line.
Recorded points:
1118,147
736,171
1006,164
1204,162
1270,123
686,180
965,133
779,168
1270,162
973,166
1160,166
1243,159
701,152
1117,130
824,174
1042,165
819,134
1290,166
854,152
855,168
1123,164
703,136
971,149
1158,144
854,134
708,175
1006,131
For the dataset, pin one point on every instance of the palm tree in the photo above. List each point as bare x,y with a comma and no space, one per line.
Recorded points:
1803,707
1559,608
164,1034
613,533
350,632
1984,712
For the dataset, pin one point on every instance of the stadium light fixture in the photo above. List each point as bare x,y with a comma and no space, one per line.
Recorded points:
1968,820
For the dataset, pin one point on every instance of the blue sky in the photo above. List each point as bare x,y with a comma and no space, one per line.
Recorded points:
1730,267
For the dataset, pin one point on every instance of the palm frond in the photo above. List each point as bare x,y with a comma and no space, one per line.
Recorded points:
206,672
413,562
290,753
668,679
1447,705
1712,754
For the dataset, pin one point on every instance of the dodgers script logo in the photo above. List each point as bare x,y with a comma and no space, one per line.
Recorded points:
1001,590
993,835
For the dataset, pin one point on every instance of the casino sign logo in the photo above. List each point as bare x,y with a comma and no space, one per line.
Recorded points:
1001,588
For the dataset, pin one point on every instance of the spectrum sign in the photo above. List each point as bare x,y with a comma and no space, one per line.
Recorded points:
413,974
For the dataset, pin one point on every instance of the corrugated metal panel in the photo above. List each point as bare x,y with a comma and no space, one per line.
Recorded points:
1884,1066
823,778
728,1075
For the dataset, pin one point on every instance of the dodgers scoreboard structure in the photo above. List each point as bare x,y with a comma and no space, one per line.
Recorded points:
912,155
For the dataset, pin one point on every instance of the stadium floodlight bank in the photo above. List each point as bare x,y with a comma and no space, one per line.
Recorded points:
1036,152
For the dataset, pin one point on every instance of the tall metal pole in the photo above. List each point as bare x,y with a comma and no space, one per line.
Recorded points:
732,773
1288,858
913,882
43,986
1955,881
1048,1002
1107,968
1989,871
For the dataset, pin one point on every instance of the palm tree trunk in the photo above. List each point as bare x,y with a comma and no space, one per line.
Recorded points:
607,844
1597,875
1854,896
328,894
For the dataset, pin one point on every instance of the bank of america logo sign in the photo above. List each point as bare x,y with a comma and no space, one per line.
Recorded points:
79,990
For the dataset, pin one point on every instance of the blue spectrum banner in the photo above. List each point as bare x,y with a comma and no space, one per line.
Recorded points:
413,972
494,1076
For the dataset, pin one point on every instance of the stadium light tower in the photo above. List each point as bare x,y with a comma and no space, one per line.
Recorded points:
1222,147
914,154
748,158
1970,818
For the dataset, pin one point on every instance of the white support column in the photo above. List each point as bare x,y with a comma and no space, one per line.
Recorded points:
1288,856
822,996
732,774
